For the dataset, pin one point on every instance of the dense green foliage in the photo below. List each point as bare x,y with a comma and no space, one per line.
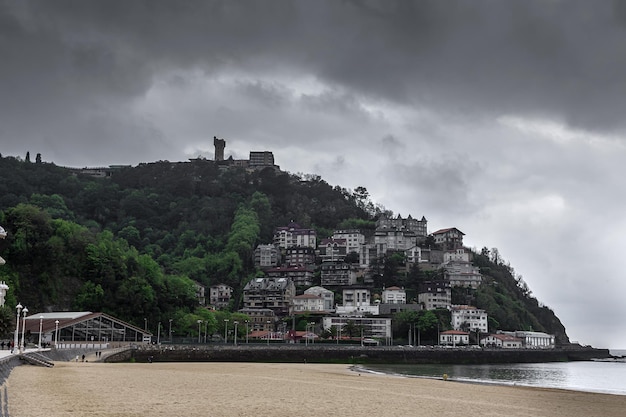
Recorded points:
132,244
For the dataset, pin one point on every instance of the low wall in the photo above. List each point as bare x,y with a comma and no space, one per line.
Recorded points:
350,354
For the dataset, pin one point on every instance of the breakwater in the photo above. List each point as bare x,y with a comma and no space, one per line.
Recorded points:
324,353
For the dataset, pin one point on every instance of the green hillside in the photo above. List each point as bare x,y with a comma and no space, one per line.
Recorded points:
132,244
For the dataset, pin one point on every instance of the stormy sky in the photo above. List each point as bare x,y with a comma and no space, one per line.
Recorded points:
504,119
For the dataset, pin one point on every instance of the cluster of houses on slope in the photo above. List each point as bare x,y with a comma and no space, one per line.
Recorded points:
341,264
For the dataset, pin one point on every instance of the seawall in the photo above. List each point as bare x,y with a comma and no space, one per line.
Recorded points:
318,353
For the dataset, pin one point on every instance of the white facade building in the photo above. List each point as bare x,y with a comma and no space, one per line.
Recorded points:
394,295
453,338
504,341
327,296
472,317
354,239
534,340
373,327
308,302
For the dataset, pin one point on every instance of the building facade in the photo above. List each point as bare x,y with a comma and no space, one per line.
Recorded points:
220,295
469,318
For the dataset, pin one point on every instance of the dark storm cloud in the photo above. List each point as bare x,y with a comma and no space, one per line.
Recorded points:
551,58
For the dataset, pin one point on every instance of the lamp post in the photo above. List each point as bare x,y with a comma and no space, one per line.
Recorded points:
247,321
225,331
199,330
18,307
206,330
306,334
24,312
170,331
40,328
159,334
236,323
268,332
56,333
145,324
313,331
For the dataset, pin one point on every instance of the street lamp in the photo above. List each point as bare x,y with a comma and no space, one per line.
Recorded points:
236,323
268,332
24,312
145,325
247,321
199,330
159,334
56,333
313,331
170,331
306,334
18,307
40,328
225,331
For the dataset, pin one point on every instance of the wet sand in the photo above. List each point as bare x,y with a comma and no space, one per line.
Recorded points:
262,389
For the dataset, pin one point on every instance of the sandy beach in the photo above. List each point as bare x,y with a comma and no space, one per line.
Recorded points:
263,389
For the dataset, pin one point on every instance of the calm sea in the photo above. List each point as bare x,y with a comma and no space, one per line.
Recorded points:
591,376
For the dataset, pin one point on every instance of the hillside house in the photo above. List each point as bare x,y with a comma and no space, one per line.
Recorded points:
448,239
354,239
394,295
294,235
266,256
468,318
434,294
299,255
275,294
220,295
301,276
336,274
333,250
308,303
327,296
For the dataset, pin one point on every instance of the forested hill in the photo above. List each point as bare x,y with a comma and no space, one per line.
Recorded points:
133,243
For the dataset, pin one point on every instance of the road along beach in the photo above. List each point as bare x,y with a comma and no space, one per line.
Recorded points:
275,389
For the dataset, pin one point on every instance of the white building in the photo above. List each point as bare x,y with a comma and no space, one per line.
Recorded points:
326,295
356,301
456,255
308,302
354,239
462,274
468,317
504,341
294,235
453,338
266,256
394,295
373,327
534,340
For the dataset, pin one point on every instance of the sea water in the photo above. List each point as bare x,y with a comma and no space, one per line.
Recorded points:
592,376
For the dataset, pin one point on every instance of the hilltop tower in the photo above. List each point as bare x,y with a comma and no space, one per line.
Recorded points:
219,144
